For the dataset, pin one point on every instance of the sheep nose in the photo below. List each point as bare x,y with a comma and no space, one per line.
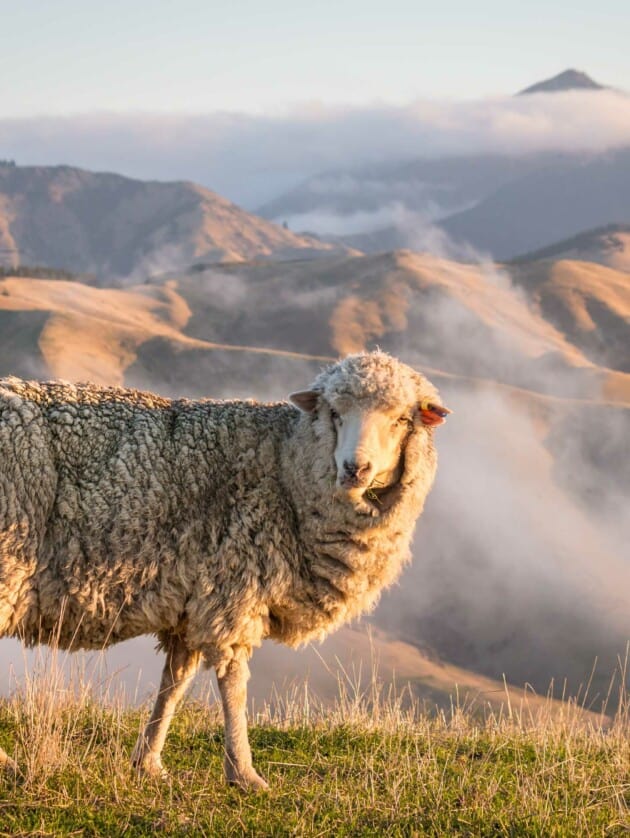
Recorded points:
356,469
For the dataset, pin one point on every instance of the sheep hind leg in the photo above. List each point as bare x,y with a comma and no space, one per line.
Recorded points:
179,670
239,770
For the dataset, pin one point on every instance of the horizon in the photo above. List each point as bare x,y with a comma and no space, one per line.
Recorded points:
210,60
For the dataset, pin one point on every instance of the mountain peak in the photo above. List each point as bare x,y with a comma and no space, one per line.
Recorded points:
567,80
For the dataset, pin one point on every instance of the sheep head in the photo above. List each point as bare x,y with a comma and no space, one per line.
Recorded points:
368,406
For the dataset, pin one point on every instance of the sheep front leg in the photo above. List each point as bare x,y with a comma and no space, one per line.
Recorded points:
238,756
179,670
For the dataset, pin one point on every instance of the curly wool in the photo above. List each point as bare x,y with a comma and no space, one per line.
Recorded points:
123,513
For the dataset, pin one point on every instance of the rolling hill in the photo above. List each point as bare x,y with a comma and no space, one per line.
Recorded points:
409,303
114,226
589,303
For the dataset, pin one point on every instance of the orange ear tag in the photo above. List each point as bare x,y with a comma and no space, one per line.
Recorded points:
433,414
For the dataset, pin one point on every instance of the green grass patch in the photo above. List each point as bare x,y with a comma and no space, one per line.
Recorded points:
403,774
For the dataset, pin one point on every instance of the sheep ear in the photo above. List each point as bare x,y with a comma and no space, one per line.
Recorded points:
306,400
432,414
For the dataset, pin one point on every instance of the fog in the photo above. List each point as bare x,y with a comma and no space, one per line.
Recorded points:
253,158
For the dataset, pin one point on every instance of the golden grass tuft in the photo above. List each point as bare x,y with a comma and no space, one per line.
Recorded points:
375,762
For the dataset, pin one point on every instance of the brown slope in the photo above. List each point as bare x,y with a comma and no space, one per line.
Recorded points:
115,226
589,303
135,336
358,662
460,319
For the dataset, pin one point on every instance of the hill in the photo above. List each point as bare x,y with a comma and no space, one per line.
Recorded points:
298,310
589,303
114,226
609,246
501,206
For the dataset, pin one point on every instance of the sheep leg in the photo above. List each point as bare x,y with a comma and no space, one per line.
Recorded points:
7,764
238,766
179,670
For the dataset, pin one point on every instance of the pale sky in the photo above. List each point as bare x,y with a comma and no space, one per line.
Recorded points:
76,56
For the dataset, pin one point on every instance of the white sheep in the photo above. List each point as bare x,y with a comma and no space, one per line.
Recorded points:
211,524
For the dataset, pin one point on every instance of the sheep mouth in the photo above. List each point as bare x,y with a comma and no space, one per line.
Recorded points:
382,497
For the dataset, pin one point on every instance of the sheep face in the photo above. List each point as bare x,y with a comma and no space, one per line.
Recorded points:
364,410
369,445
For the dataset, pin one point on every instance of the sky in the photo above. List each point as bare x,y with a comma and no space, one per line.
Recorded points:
202,56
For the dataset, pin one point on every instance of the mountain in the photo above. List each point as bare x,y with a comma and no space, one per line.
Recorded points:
368,197
548,205
567,80
577,202
521,558
501,206
114,226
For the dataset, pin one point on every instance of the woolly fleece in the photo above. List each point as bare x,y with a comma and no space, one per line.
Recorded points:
123,513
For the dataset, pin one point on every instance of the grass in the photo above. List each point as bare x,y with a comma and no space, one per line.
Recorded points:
369,766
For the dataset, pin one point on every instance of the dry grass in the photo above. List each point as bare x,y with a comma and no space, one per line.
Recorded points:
375,763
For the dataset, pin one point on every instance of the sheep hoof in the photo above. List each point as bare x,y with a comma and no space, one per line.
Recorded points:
150,765
247,780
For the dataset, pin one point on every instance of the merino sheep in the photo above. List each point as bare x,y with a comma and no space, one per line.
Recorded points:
211,524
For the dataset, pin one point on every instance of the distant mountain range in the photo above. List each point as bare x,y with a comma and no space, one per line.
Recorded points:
114,226
513,205
547,205
502,205
431,187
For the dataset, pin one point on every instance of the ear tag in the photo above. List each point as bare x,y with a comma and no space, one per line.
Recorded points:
433,414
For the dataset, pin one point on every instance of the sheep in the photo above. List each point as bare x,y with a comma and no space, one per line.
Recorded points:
210,524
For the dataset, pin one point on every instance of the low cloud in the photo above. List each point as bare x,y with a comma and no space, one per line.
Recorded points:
252,158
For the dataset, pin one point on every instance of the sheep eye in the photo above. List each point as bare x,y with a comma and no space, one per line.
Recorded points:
334,415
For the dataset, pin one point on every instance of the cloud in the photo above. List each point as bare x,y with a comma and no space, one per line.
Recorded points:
252,158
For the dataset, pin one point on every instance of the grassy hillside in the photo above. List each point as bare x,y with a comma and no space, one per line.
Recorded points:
365,767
